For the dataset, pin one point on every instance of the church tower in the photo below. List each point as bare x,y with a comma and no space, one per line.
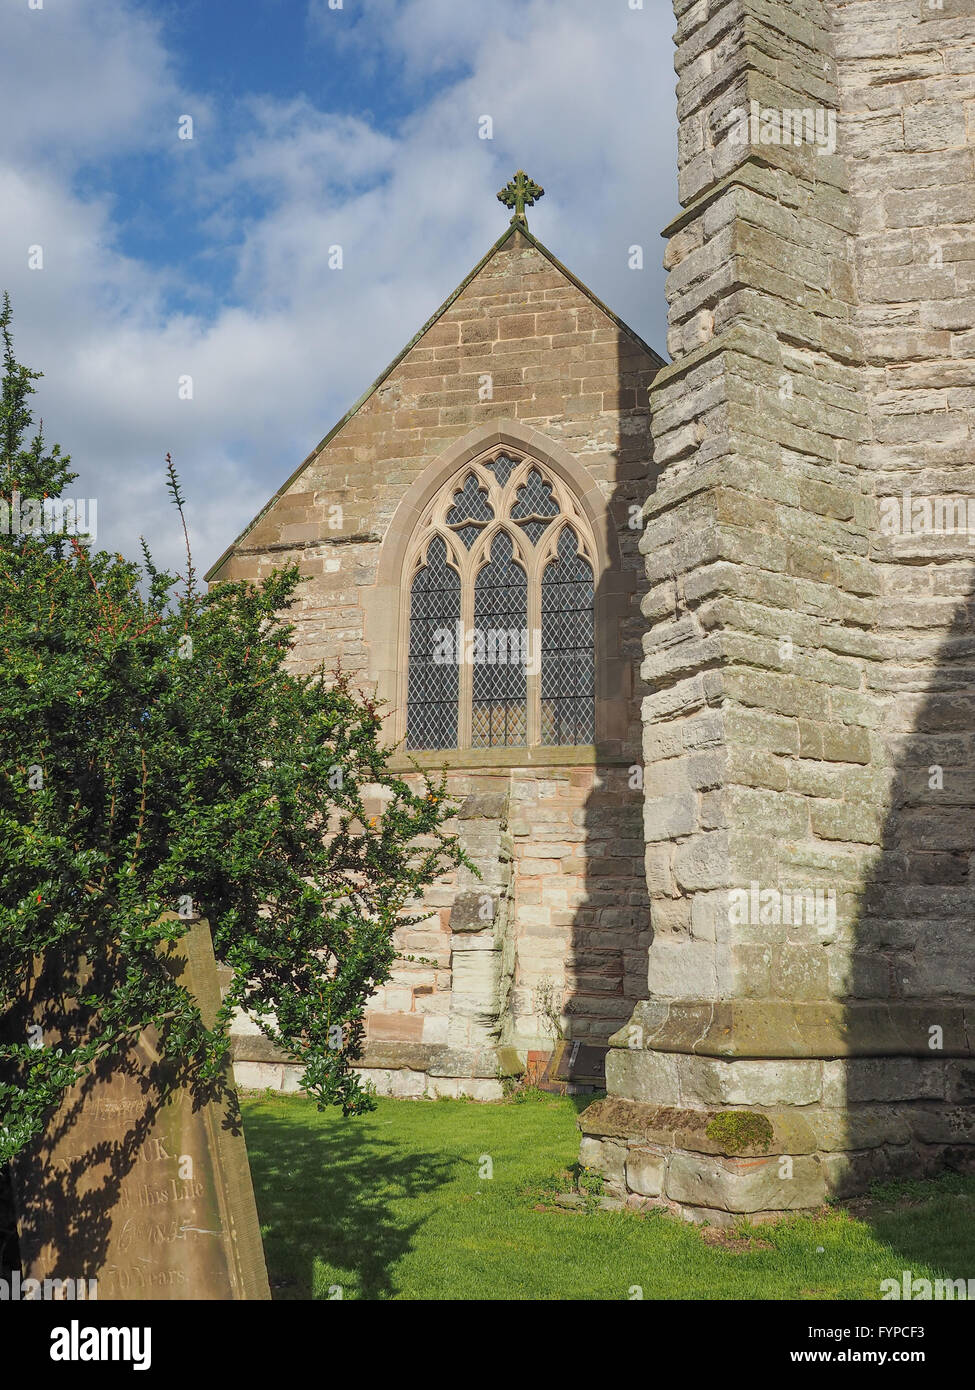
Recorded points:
810,733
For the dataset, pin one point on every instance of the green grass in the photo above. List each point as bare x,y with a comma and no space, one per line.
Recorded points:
395,1205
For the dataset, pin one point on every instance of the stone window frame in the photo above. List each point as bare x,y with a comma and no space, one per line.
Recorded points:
386,603
533,559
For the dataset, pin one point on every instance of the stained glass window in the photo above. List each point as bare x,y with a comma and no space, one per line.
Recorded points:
568,657
470,512
434,687
534,506
502,684
502,467
499,650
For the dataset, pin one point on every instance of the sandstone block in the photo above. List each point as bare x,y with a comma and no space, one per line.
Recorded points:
645,1171
746,1185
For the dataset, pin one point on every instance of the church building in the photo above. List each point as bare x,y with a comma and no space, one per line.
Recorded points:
795,817
469,536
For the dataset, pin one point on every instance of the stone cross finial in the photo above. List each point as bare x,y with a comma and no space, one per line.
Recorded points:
520,193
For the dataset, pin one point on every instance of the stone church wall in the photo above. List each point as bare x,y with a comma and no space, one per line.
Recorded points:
557,836
560,912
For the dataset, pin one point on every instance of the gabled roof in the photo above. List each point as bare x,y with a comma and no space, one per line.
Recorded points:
514,226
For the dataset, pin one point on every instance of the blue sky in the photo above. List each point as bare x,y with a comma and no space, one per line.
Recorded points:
312,126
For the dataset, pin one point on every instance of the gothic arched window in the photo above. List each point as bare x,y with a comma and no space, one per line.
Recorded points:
501,586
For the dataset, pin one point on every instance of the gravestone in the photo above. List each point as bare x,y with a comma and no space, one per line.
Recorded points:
140,1184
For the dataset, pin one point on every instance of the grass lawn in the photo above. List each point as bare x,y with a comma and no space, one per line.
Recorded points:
396,1205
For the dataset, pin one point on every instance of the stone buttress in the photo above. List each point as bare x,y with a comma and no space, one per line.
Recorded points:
809,738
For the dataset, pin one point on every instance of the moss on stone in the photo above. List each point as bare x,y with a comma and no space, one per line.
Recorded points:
738,1130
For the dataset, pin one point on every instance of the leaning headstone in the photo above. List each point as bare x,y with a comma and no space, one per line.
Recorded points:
141,1184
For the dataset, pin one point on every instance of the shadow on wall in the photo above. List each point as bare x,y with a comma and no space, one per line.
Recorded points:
9,1246
606,969
911,995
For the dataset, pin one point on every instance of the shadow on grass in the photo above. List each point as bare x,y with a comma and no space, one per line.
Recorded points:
926,1223
328,1193
535,1096
580,1103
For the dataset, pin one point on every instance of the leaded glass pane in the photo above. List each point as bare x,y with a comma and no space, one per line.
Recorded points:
502,467
471,505
534,530
499,651
534,506
434,672
568,660
469,533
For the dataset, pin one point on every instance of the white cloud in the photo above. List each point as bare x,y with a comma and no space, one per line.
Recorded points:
581,95
301,153
429,36
81,80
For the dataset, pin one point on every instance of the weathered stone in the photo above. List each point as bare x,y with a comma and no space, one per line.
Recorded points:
750,1082
650,1078
473,912
820,364
746,1185
606,1156
645,1172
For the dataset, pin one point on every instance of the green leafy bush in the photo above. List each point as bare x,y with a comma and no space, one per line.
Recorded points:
158,762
